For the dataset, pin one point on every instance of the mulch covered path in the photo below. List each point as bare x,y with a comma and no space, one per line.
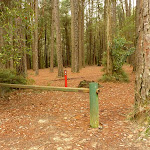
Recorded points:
42,120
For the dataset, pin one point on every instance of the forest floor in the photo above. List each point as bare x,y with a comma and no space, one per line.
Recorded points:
42,120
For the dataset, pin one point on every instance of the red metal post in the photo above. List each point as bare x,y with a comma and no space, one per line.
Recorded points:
65,73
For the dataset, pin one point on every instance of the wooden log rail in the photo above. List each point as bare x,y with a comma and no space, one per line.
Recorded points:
93,91
48,88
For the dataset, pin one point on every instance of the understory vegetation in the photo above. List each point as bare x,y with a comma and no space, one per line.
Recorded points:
119,53
10,76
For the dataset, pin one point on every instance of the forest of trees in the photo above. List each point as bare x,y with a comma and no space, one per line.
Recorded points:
48,33
37,34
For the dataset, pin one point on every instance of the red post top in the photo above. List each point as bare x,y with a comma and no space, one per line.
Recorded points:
65,72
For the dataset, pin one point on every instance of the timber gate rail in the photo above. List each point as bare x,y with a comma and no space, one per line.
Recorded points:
92,90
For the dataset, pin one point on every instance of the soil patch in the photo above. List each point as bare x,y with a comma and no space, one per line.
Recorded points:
42,120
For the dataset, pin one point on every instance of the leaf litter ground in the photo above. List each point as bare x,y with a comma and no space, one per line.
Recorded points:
42,120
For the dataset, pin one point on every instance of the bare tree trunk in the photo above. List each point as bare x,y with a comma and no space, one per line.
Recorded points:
130,7
87,38
91,37
1,45
52,40
142,95
36,40
75,35
127,8
108,37
136,33
122,11
25,62
24,53
46,50
72,37
82,30
33,36
80,35
21,67
58,39
114,18
68,53
11,42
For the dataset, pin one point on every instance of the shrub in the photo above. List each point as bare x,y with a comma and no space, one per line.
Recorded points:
120,76
119,53
9,76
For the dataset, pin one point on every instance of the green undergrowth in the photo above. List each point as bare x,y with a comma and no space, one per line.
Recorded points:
119,52
120,76
10,77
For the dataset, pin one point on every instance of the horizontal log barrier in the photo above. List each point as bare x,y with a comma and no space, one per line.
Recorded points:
48,88
92,90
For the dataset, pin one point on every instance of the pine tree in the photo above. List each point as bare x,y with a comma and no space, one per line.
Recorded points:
58,39
36,40
142,95
75,35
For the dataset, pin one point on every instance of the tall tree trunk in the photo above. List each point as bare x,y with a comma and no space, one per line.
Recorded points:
127,8
142,95
136,33
104,29
108,37
72,37
130,7
21,67
87,37
11,42
36,40
68,53
75,35
114,18
46,56
91,37
82,30
58,39
80,35
123,13
52,40
1,45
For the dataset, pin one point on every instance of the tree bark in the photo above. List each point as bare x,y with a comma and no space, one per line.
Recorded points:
108,38
21,67
114,18
130,7
36,39
1,45
142,95
58,39
80,35
75,35
127,8
72,37
52,40
11,42
82,30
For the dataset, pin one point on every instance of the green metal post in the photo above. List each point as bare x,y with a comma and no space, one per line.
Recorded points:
94,106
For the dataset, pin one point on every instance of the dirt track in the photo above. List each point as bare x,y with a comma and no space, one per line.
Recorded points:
35,120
